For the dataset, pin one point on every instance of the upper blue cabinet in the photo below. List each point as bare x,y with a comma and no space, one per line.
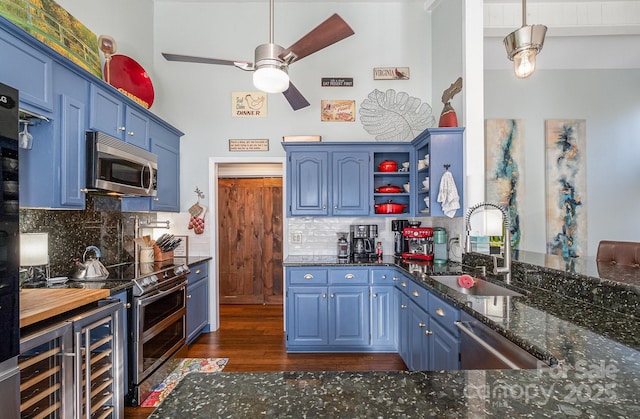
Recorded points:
331,180
53,171
374,178
113,116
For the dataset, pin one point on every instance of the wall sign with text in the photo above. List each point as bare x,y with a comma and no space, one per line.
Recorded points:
391,73
248,104
249,145
337,82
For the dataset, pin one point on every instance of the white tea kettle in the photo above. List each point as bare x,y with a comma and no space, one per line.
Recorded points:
92,268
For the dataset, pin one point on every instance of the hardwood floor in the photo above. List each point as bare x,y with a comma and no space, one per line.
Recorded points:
252,337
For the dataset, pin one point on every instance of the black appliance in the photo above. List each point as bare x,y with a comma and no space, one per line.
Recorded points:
121,168
362,241
9,255
400,245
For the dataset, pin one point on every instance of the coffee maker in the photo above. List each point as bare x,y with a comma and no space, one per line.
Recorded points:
362,240
400,245
420,243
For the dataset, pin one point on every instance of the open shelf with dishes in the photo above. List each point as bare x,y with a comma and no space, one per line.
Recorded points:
392,181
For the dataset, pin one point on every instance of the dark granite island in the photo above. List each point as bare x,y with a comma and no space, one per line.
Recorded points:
563,314
450,394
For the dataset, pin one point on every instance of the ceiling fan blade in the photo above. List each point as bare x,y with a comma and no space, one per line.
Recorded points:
295,98
244,65
329,32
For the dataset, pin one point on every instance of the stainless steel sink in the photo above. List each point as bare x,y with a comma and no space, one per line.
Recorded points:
481,288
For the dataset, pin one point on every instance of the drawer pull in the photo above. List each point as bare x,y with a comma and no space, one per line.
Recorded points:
404,284
440,312
308,276
349,276
415,294
198,271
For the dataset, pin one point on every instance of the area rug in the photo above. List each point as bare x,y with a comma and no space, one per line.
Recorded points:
186,366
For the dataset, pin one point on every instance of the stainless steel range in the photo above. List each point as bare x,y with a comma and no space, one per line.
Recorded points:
158,313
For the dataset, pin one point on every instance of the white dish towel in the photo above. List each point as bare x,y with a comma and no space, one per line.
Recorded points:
448,195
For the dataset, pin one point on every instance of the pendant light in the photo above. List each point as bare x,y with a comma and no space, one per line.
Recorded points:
524,44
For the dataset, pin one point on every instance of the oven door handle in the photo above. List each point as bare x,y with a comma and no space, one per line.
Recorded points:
148,300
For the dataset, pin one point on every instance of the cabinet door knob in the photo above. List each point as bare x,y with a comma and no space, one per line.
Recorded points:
440,312
375,295
121,128
349,276
402,306
404,284
395,278
422,325
324,295
415,294
189,297
428,332
308,276
130,133
332,296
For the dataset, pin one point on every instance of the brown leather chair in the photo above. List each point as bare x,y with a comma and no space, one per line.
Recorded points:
619,253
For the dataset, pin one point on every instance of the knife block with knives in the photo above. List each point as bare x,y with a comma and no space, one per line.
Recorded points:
164,246
160,256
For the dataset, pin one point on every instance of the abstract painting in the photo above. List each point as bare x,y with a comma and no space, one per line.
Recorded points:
566,187
504,167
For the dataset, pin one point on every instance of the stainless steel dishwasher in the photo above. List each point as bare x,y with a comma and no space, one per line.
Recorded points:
482,348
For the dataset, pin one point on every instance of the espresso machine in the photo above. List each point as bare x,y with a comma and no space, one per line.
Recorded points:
420,243
362,241
400,245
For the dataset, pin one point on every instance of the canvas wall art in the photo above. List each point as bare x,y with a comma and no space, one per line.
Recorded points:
53,25
504,167
566,187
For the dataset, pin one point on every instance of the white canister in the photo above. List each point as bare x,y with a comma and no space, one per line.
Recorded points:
146,255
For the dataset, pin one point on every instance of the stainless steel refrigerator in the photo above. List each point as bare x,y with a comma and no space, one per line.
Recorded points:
9,255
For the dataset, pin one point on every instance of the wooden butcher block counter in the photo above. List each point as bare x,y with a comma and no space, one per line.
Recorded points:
41,304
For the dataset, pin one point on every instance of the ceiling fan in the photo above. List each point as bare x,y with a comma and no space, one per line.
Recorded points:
271,65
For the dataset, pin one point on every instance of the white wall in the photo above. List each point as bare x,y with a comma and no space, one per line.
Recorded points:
197,98
609,102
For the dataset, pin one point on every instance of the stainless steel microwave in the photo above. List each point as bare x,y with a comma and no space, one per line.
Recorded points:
115,166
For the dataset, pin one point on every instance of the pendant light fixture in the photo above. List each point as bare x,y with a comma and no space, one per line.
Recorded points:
271,74
524,44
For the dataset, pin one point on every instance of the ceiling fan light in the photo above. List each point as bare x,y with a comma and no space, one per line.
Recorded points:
271,79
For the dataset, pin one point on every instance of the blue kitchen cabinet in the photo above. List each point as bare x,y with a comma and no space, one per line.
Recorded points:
165,143
26,69
444,146
349,183
197,300
52,173
348,316
419,335
327,181
383,317
307,189
111,115
307,317
428,338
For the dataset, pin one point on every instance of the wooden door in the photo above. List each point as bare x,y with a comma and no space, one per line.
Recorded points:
250,240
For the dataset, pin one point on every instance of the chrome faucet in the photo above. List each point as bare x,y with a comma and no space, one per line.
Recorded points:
505,269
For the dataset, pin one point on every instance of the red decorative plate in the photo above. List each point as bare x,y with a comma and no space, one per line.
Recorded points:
126,75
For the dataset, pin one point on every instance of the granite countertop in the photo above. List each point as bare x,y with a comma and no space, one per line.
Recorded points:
401,394
115,285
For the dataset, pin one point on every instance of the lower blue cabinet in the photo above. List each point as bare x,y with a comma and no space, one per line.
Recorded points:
197,300
349,316
383,318
307,317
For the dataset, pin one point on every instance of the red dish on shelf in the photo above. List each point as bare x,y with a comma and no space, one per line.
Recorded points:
389,208
389,189
388,166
